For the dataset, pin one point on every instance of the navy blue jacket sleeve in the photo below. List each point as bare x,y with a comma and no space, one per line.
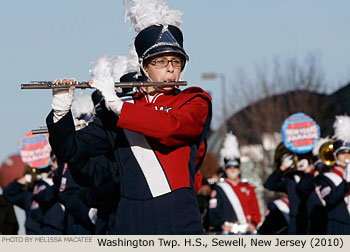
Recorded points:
95,171
69,195
104,197
276,182
336,193
17,195
306,186
70,145
216,211
46,198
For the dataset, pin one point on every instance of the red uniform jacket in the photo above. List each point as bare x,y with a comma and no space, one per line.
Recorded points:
224,208
172,125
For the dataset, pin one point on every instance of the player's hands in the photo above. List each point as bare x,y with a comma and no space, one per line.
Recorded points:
103,81
62,99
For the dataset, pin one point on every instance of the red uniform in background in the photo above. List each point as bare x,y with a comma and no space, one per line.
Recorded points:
247,197
233,203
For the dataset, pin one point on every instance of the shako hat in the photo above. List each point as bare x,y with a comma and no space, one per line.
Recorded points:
158,39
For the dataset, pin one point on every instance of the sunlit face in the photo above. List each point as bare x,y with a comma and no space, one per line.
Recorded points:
168,73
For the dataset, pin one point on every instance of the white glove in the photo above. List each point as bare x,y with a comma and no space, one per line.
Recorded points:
106,87
103,81
62,101
93,215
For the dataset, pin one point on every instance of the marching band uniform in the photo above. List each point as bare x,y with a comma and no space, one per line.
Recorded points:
78,220
287,184
309,191
276,218
233,203
44,215
232,200
175,156
105,199
99,177
87,186
334,191
154,143
335,185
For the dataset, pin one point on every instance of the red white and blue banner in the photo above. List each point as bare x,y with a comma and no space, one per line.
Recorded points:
300,133
35,150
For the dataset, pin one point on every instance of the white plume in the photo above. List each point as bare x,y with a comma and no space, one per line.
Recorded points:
102,67
123,64
116,66
342,128
144,13
102,78
82,105
229,149
318,144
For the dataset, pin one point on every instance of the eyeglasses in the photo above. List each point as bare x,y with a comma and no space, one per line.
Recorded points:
162,63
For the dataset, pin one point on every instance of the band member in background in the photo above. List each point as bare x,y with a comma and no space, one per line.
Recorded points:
87,189
308,190
285,179
154,135
335,185
38,198
232,201
276,217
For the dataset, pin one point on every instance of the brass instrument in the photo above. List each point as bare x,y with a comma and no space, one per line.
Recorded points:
282,151
87,84
33,174
326,153
297,162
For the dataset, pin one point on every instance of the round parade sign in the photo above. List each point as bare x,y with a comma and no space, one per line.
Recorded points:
35,150
300,133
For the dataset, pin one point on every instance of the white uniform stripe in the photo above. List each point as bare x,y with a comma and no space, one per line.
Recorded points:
49,181
335,178
282,206
148,162
156,97
236,204
318,193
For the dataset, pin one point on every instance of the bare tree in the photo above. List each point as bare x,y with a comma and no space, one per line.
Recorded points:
271,97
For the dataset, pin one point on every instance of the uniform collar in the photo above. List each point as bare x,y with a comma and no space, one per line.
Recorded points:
232,183
339,171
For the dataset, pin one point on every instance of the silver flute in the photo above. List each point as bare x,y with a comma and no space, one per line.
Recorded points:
44,129
41,130
87,84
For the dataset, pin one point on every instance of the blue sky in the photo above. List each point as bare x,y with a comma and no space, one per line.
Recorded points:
45,40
